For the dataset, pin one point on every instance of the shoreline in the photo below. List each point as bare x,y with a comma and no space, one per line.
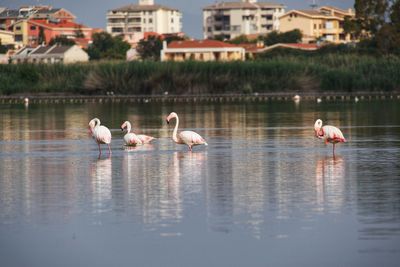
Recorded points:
255,97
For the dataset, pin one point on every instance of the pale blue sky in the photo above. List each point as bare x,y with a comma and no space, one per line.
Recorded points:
93,12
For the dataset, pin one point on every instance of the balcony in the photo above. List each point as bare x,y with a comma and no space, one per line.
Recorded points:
119,24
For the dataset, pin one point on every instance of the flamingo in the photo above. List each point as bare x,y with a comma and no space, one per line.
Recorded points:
132,139
100,133
188,138
330,134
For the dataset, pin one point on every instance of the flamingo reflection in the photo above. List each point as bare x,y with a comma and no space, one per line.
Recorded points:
101,174
330,173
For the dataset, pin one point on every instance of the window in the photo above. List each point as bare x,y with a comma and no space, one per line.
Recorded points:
33,28
315,26
18,38
144,20
18,28
117,30
150,20
172,20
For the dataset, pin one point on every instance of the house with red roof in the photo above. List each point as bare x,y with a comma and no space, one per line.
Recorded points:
33,25
201,50
28,31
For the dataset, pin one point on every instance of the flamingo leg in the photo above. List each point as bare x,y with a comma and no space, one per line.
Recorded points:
109,149
190,148
333,149
99,149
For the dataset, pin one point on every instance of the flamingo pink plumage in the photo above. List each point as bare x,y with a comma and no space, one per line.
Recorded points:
330,134
100,133
188,138
132,139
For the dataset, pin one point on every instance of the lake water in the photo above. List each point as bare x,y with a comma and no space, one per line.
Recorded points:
265,192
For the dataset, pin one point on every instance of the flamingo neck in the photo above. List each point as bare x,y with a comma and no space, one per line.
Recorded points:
175,132
97,124
128,127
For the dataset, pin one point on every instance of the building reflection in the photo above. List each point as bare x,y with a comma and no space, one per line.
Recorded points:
261,162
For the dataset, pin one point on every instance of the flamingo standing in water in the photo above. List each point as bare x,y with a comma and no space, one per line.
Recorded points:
100,133
188,138
330,134
132,139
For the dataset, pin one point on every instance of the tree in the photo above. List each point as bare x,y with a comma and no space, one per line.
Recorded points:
241,39
41,37
274,37
105,46
388,36
395,13
149,49
371,14
79,32
61,40
3,48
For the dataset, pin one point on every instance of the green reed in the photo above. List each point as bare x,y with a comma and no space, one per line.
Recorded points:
344,73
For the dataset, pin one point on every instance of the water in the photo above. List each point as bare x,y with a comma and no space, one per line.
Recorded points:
264,192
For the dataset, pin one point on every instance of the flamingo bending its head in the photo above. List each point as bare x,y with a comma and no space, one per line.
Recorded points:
130,139
330,134
188,138
100,133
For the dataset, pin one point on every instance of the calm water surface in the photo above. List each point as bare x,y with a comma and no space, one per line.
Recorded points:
264,192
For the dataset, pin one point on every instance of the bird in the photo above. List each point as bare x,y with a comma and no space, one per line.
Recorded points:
330,134
296,98
132,139
100,133
188,138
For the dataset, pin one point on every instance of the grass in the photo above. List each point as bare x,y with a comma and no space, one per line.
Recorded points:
282,73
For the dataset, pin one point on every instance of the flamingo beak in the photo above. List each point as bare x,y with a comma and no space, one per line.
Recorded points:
167,121
122,129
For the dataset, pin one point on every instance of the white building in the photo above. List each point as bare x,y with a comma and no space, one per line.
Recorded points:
136,19
201,50
232,19
50,54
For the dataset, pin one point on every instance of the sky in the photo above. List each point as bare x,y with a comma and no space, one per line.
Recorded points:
93,12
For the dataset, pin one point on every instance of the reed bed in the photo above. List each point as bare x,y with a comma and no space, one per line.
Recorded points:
344,73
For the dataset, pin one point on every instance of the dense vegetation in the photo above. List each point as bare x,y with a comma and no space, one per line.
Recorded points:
314,72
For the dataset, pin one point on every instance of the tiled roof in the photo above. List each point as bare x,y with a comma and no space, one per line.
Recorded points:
48,11
136,7
61,24
59,50
200,44
335,9
41,50
311,14
241,5
299,46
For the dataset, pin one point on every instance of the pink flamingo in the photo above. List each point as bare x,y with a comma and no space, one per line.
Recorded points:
132,139
189,138
330,134
100,133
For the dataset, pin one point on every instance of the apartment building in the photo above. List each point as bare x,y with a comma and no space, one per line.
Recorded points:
232,19
324,24
29,22
146,16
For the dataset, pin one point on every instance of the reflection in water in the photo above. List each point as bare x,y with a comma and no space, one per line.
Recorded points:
101,174
330,185
261,177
